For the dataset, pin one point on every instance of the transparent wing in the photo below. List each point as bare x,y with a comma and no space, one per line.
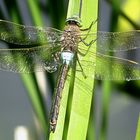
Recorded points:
110,68
27,35
29,59
114,41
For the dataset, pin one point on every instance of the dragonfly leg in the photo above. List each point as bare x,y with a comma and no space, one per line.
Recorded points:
87,44
84,75
89,28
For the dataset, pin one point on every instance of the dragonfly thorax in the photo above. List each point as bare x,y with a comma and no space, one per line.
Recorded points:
70,38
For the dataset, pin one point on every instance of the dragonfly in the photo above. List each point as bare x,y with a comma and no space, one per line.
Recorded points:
34,49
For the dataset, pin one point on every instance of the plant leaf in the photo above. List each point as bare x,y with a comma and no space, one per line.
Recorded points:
81,102
138,130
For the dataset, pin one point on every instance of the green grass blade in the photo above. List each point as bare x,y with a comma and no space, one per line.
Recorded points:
35,12
81,116
138,130
35,98
106,93
81,102
61,119
91,127
73,8
29,79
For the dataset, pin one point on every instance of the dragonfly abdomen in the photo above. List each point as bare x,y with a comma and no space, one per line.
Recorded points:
69,43
58,95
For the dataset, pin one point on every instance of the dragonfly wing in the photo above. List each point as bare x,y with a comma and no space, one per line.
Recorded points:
114,41
29,59
27,35
118,41
110,68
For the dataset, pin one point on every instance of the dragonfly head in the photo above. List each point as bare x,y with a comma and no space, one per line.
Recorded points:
74,20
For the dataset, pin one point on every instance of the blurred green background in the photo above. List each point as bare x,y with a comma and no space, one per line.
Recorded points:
116,105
